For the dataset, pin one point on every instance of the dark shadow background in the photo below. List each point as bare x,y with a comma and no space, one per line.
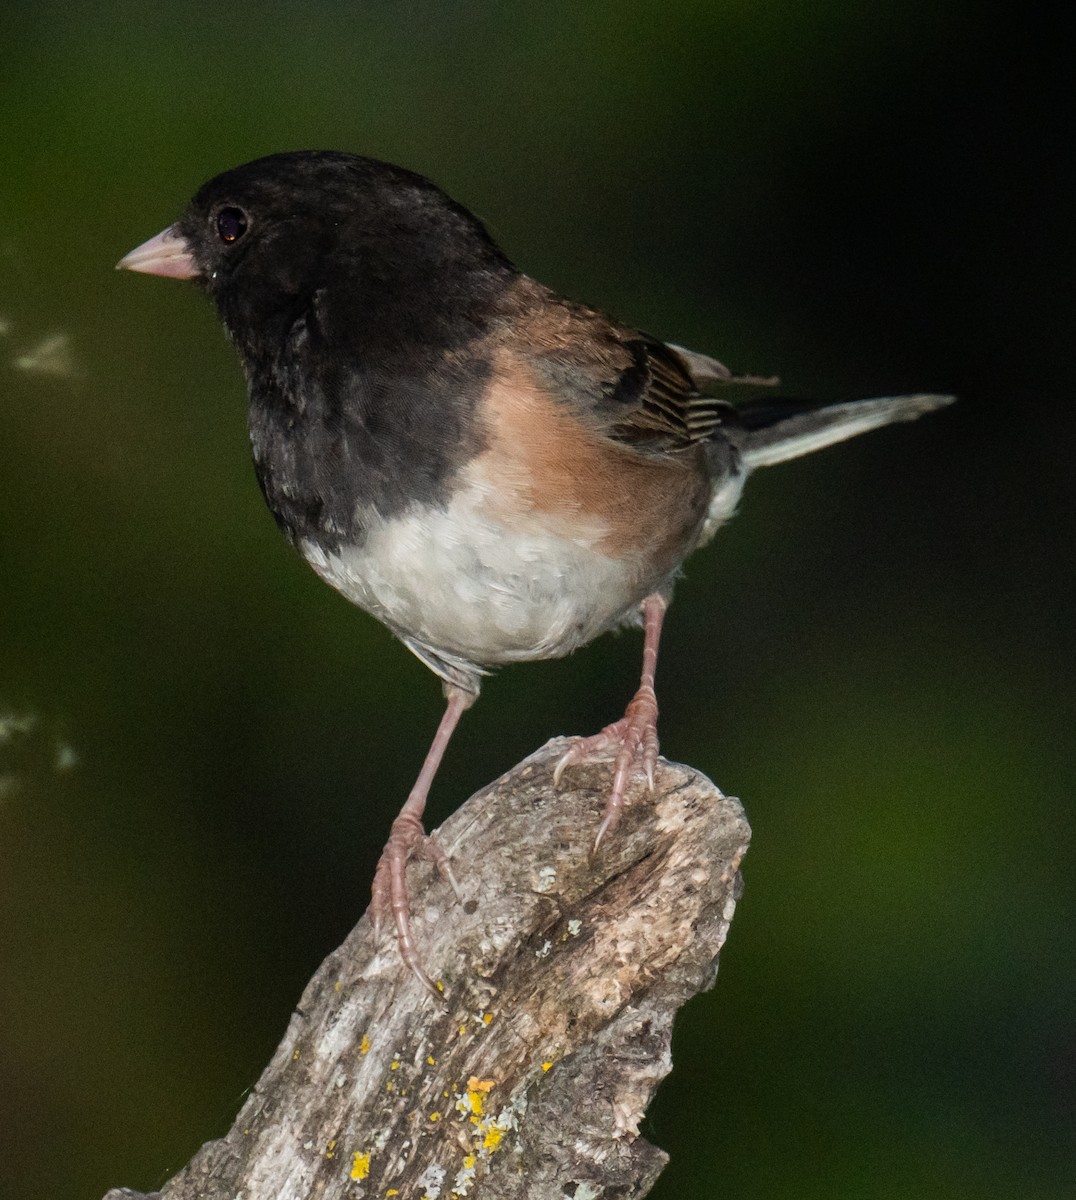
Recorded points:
201,746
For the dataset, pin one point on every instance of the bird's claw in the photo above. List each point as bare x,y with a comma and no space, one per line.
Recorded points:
636,735
407,840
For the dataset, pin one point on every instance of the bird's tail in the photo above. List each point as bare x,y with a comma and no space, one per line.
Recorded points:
776,430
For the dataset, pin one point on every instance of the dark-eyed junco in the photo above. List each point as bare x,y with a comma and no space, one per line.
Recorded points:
496,473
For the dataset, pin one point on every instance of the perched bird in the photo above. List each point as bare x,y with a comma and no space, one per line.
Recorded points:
496,473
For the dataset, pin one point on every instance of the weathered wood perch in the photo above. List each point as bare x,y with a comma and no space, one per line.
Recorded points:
561,976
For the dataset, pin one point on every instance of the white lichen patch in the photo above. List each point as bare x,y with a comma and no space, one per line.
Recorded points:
546,879
491,1131
544,949
470,1103
575,926
488,1133
432,1180
461,1185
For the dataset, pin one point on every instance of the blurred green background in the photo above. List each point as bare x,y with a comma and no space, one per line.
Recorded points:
202,746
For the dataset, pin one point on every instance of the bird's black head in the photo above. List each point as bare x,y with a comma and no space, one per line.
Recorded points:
265,237
360,298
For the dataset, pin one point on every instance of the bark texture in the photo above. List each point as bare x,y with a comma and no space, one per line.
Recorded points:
561,974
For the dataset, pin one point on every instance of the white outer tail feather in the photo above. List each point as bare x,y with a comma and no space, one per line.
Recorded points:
810,431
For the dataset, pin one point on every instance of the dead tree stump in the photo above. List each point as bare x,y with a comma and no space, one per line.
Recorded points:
561,972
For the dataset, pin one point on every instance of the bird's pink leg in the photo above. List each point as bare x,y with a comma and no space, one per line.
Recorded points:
636,732
408,839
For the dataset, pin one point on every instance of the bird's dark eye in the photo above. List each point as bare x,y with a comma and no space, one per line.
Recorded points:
231,224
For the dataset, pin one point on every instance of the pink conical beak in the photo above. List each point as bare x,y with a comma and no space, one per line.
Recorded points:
166,254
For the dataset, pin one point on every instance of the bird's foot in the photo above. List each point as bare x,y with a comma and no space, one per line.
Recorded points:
407,840
636,733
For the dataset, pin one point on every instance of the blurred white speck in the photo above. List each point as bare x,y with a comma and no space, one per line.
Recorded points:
14,727
543,950
12,724
66,757
574,926
51,356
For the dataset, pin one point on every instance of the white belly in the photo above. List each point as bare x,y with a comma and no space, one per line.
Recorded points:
457,581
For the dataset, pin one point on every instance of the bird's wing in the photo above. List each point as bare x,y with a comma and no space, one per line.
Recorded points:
668,399
633,388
